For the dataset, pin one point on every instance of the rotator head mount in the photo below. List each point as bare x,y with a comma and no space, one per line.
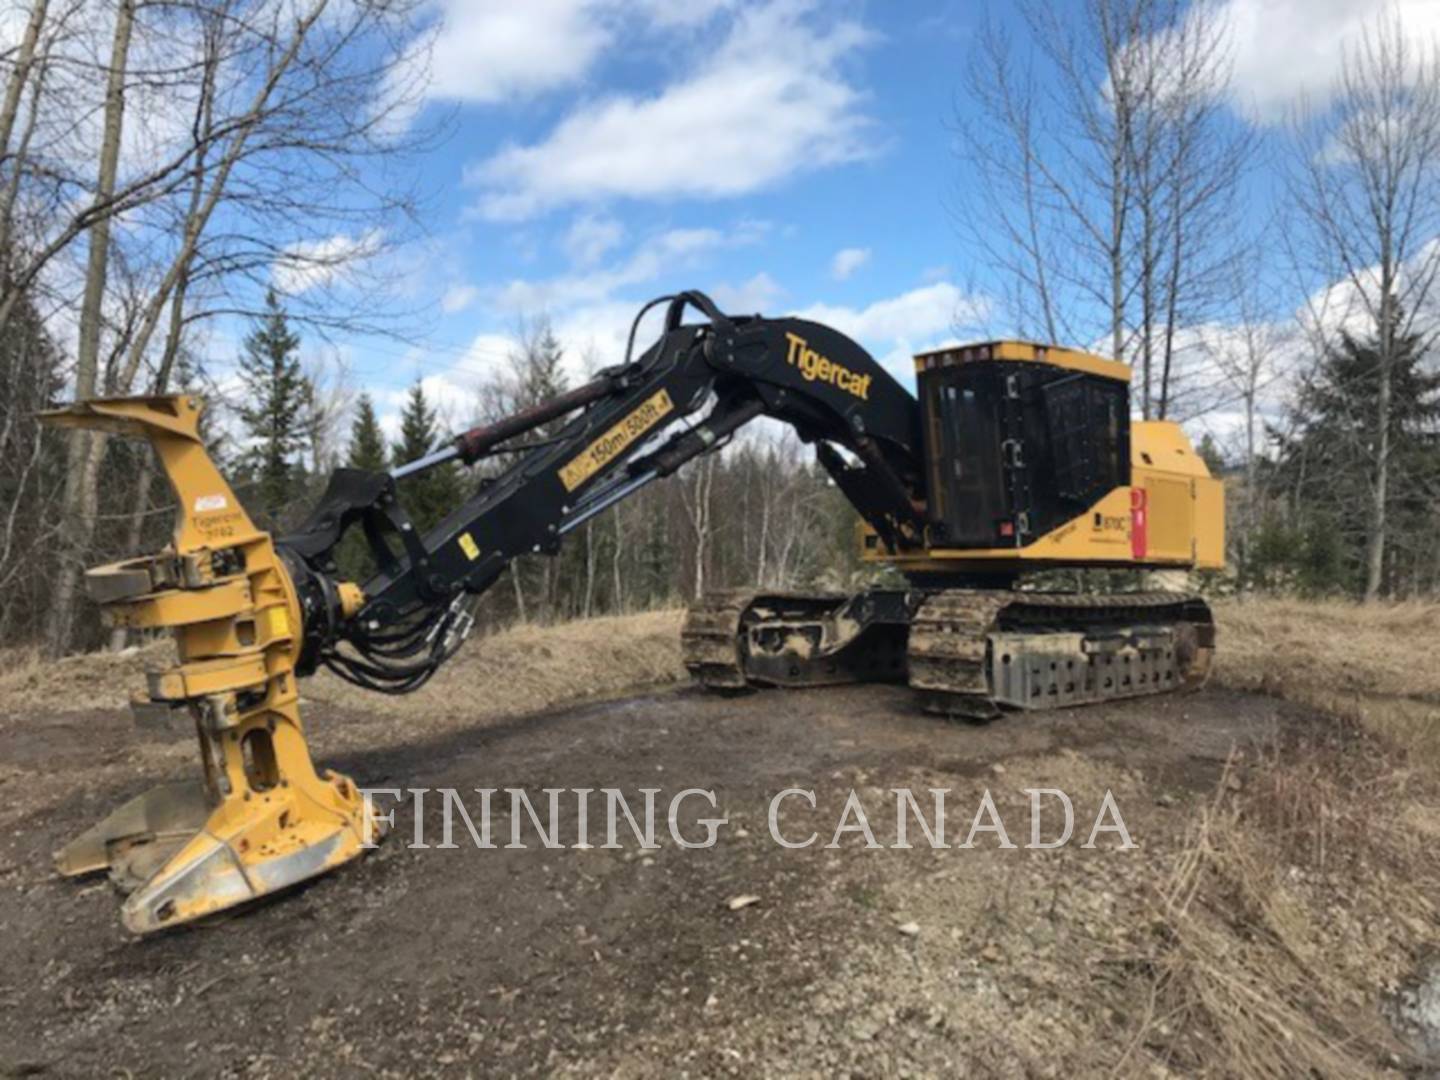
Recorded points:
260,819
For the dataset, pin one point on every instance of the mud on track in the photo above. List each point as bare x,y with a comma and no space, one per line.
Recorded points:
528,961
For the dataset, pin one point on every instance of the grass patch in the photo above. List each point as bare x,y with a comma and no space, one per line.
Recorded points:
1301,899
1276,943
1369,663
528,668
514,671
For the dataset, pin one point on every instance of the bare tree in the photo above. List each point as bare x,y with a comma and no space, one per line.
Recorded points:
1096,167
697,488
534,371
1252,354
83,456
1364,179
285,102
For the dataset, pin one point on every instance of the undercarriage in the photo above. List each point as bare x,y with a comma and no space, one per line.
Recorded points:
969,653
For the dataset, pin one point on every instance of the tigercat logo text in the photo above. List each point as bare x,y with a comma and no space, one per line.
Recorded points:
815,367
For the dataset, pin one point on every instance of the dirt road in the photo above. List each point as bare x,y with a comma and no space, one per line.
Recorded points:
498,962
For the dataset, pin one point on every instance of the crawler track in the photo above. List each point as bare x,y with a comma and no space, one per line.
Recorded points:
710,639
973,650
969,652
732,640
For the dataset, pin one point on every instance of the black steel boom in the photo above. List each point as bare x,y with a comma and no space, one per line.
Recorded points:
809,376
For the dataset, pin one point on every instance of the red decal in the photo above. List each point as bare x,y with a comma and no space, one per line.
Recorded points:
1137,522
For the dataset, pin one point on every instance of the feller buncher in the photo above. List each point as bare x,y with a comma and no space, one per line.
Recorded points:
1016,457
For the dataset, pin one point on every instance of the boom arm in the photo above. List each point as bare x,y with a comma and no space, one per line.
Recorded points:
413,616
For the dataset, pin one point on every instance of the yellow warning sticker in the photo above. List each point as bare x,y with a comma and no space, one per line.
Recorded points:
615,441
468,545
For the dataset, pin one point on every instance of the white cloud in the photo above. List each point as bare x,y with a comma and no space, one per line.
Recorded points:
1282,50
590,238
847,261
450,385
486,51
689,13
919,313
596,334
770,101
457,298
896,328
668,252
311,264
487,351
760,293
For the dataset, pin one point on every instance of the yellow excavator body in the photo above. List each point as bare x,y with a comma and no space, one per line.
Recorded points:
1171,515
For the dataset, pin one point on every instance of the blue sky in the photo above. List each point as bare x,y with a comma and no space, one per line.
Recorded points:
826,194
783,155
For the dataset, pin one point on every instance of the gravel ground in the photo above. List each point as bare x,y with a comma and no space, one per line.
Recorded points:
628,961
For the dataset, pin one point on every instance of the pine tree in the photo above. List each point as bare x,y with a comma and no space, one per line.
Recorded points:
1209,452
1329,463
367,442
275,414
366,451
428,496
32,470
540,375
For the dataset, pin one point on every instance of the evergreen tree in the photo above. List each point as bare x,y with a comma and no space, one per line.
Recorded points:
1209,452
275,414
32,470
366,451
428,496
1328,465
367,442
540,376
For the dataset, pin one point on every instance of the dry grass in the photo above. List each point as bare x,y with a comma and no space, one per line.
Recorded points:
528,668
1302,896
1272,953
511,672
101,680
1372,664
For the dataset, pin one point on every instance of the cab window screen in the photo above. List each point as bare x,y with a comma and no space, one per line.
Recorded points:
971,462
1085,428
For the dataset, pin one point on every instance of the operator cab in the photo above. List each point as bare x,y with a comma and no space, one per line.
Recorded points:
1019,438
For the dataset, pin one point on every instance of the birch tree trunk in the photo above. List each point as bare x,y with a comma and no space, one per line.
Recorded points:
14,93
617,563
20,75
519,590
1380,488
85,448
591,555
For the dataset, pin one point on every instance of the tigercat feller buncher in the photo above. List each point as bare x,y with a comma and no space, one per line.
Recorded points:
1016,457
